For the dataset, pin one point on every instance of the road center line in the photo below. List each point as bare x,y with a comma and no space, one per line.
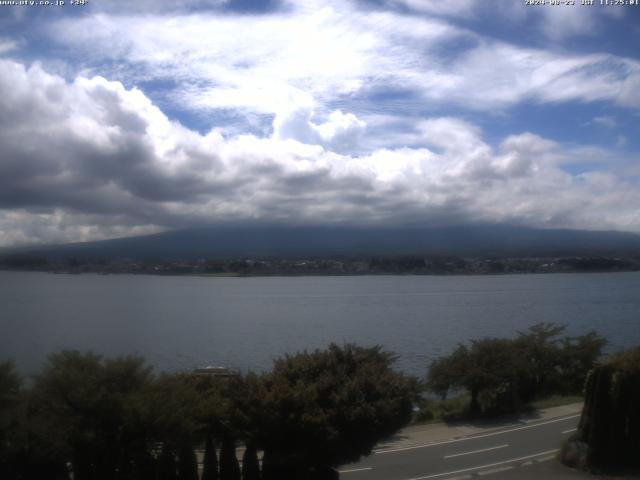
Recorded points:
355,470
413,447
570,430
483,466
477,451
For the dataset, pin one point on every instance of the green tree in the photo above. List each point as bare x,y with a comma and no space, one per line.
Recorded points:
579,356
250,464
610,422
10,383
93,405
187,463
168,469
500,373
172,410
448,372
539,348
487,369
210,461
330,407
229,467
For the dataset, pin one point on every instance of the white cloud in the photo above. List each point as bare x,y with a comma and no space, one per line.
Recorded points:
319,54
571,20
495,74
7,45
459,8
103,160
558,22
340,133
605,121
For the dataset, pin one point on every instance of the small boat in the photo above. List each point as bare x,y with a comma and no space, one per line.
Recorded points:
212,371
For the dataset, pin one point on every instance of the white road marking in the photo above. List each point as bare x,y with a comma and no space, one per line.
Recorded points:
355,470
545,459
391,450
570,430
496,470
484,466
476,451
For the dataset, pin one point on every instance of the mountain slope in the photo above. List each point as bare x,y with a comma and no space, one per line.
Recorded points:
225,242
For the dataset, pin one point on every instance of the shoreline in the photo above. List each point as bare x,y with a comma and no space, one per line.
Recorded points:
312,274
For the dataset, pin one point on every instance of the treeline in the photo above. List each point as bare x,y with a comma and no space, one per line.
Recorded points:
501,375
87,417
90,418
396,265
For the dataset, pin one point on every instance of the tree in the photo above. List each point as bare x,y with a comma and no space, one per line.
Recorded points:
488,366
500,373
210,461
10,383
330,407
539,349
610,422
94,407
172,410
168,470
187,463
229,468
446,373
579,356
250,464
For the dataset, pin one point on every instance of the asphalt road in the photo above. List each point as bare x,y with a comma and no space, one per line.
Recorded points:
480,454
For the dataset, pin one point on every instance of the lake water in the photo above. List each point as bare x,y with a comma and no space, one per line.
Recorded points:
244,323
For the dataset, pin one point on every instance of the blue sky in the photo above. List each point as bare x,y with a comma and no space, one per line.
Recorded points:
120,120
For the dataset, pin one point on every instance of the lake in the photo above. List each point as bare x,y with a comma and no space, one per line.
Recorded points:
181,322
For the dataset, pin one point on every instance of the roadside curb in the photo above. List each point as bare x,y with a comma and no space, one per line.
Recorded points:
417,436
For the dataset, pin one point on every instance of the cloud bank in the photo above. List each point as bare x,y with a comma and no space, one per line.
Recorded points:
89,158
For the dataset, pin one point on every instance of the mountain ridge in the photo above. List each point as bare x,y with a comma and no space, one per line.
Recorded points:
262,241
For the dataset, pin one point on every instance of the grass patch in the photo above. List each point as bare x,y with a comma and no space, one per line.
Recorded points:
454,408
457,408
556,401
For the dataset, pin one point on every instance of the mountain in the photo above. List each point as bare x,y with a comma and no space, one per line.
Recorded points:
224,242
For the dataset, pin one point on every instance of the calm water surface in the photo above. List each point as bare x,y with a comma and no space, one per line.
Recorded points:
185,322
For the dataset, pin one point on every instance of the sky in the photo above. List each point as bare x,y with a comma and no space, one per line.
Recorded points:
126,118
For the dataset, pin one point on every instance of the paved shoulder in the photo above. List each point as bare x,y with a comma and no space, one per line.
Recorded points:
438,432
460,451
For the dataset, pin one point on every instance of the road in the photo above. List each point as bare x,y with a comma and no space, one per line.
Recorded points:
480,454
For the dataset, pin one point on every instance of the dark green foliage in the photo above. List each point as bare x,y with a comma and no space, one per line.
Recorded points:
24,262
167,467
486,370
229,467
10,384
329,407
9,400
111,419
244,405
210,461
579,355
502,374
145,467
610,422
93,405
187,463
541,358
172,406
250,465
